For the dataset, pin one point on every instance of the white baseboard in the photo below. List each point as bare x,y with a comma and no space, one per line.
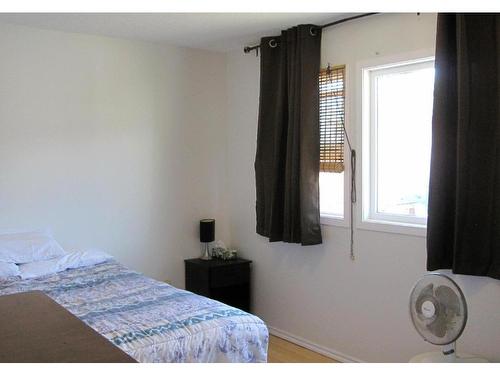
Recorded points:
341,357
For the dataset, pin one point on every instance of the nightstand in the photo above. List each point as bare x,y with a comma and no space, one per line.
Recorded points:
227,281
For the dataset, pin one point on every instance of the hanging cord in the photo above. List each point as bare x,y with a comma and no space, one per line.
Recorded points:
353,190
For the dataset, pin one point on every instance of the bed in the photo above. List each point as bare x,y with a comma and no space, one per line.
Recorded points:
150,320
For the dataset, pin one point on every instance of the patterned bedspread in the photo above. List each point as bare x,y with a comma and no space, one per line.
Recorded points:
150,320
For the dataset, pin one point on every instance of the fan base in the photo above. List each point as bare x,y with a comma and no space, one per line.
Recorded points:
439,357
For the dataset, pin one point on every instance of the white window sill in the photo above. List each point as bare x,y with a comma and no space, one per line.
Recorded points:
334,221
418,230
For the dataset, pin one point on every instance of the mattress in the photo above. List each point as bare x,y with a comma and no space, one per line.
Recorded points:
150,320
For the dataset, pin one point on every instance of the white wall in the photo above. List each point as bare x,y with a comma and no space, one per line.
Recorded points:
357,309
112,144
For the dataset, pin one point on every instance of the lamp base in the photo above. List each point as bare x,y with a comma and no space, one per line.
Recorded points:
206,253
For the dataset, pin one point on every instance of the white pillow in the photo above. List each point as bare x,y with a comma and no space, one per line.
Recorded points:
28,247
76,259
39,268
8,270
83,258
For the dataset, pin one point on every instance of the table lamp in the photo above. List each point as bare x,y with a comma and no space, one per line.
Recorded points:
207,234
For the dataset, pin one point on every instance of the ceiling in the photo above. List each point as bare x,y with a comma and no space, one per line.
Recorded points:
213,31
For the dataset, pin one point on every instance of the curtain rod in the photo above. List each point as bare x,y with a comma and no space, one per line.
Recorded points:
247,49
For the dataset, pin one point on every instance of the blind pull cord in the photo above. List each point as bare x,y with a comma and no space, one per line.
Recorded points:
353,193
353,199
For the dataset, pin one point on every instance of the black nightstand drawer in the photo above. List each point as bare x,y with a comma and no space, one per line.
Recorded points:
227,281
226,276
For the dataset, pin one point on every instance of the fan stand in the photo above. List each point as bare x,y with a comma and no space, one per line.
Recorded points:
450,351
447,355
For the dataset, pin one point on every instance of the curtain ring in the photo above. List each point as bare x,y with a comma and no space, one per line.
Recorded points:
273,43
312,31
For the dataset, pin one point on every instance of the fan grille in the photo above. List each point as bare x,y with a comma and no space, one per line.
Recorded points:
438,309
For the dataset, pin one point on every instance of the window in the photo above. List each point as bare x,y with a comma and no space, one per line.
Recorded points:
332,117
397,141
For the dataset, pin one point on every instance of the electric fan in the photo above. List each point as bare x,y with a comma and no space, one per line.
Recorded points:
438,311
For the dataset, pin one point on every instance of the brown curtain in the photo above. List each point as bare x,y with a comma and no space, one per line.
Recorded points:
287,159
463,230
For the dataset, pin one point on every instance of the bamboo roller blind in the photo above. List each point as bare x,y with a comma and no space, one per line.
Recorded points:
331,118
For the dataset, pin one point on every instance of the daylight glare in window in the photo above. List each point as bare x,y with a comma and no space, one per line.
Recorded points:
402,116
331,195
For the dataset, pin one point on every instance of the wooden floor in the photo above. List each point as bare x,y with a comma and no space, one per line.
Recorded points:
282,351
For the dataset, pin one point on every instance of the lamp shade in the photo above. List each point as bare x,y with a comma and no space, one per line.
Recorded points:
207,230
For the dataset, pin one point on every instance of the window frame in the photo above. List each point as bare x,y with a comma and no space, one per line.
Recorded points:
332,219
369,218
